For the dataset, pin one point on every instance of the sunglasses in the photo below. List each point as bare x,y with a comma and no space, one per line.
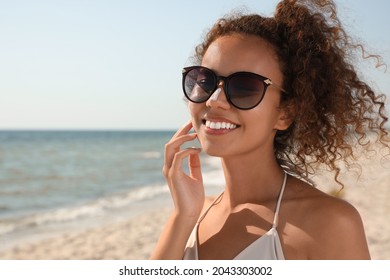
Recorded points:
243,90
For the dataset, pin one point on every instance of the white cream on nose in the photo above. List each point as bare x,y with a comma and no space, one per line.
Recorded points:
216,93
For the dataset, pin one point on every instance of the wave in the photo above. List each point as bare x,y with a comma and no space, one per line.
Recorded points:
103,205
89,209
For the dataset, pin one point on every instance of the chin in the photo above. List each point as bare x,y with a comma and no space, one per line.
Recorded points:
213,151
213,154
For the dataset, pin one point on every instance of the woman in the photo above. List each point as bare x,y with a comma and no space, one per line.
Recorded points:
272,97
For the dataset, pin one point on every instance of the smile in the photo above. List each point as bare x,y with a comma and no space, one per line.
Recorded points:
220,125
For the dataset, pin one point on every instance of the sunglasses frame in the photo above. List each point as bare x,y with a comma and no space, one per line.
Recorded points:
266,82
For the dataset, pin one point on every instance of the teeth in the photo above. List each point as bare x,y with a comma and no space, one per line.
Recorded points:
220,125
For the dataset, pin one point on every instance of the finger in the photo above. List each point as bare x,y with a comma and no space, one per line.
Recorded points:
195,167
180,156
172,147
183,130
180,140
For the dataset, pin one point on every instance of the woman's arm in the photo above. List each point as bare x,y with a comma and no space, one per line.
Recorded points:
173,239
187,193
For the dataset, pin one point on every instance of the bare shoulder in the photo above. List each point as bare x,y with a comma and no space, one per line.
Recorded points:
329,227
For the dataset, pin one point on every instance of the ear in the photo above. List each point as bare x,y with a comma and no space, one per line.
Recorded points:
286,118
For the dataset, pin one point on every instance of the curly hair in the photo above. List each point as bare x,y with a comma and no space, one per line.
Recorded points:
330,105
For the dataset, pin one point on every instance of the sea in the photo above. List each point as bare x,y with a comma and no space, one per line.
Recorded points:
53,182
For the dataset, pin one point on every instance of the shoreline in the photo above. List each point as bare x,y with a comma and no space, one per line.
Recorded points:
132,235
135,238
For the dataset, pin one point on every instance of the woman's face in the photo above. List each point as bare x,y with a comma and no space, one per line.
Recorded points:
249,130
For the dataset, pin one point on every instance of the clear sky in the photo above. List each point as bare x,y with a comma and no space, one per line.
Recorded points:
116,64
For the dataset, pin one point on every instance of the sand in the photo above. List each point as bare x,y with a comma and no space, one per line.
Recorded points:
135,238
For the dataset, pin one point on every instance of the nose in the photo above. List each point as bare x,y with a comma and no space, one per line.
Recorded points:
217,99
216,93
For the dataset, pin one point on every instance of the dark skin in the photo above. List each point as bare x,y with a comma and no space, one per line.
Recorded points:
312,224
301,226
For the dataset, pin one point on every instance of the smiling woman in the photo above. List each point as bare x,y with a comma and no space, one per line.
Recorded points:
272,97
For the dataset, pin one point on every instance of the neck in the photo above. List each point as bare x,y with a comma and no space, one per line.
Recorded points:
251,178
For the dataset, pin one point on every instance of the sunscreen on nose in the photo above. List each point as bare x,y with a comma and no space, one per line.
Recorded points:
216,93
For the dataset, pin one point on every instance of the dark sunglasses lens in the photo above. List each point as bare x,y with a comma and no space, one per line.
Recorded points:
199,84
246,91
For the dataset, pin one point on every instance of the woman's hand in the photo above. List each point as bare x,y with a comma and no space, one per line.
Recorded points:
186,189
187,193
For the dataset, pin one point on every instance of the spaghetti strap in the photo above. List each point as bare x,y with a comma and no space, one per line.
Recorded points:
266,247
208,209
275,221
276,215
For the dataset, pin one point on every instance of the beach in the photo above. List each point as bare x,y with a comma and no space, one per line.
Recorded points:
135,237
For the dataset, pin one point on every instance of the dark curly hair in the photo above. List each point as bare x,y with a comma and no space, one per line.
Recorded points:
331,107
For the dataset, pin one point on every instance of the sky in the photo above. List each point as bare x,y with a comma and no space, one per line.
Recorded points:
116,64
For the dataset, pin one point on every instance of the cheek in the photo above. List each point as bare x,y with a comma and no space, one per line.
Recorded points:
195,112
264,117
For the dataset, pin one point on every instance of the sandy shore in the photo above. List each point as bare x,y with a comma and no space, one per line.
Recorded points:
135,239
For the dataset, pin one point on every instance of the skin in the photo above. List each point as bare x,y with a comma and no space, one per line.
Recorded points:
312,224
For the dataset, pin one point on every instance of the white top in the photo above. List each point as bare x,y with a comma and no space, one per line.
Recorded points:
266,247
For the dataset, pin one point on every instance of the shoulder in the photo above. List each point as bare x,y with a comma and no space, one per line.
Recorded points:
330,227
338,231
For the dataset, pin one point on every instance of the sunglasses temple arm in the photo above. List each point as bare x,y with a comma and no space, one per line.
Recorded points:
270,83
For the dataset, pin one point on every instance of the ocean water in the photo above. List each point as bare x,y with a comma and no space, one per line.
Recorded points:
55,181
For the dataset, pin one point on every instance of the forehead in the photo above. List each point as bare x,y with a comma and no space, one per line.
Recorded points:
233,53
